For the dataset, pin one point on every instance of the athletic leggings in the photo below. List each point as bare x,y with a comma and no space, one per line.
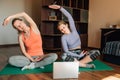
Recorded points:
92,53
21,61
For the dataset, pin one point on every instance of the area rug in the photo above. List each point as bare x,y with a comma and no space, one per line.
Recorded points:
10,70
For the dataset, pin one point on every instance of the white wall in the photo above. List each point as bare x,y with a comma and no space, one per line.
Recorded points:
8,35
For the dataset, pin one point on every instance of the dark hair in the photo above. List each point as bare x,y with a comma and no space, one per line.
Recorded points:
15,20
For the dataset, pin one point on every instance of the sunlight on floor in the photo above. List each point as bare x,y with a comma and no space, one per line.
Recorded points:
112,77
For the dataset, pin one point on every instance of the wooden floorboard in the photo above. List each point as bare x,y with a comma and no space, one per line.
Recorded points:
91,75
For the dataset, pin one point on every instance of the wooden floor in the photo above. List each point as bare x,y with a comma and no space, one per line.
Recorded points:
92,75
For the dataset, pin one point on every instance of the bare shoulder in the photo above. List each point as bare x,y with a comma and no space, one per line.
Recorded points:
35,30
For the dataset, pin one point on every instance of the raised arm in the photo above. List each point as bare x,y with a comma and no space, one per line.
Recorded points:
22,14
67,14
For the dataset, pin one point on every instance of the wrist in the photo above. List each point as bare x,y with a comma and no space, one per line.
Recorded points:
60,7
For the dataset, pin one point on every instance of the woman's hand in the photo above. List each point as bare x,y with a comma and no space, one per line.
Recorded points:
39,58
6,21
54,6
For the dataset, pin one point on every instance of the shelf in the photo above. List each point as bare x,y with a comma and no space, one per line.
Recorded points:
51,35
80,4
66,2
84,40
73,4
50,21
84,16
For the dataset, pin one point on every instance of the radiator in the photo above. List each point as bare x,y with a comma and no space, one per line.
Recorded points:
112,48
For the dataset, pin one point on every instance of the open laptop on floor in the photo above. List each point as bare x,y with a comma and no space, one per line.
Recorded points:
65,70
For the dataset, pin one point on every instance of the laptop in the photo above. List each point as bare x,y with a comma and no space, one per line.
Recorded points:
65,70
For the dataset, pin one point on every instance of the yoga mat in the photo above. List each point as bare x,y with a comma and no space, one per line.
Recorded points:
9,70
100,66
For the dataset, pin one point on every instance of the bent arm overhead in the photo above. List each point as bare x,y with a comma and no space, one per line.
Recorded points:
22,14
67,14
70,19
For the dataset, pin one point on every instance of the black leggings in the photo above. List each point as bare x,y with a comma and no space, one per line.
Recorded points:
92,53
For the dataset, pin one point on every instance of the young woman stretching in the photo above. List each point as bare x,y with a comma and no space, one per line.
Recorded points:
30,41
71,42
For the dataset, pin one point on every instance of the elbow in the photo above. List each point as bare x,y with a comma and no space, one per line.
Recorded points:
23,13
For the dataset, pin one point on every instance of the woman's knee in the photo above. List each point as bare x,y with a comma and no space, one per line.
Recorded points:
18,61
53,56
94,54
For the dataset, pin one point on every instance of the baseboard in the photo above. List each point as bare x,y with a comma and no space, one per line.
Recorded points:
8,45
